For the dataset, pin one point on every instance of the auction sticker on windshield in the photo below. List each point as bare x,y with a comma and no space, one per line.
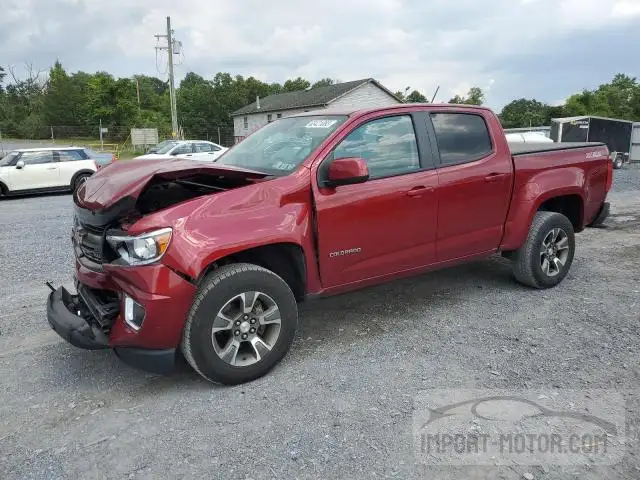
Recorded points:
321,123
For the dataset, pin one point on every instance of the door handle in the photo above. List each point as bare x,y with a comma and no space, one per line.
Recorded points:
52,168
418,191
492,177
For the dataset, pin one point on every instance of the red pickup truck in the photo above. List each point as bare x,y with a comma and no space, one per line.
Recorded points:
176,258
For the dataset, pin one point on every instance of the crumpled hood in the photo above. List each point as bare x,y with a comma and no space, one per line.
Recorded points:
128,178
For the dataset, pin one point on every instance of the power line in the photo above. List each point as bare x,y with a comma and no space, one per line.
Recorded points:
171,49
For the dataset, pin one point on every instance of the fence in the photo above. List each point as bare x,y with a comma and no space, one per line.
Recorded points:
116,135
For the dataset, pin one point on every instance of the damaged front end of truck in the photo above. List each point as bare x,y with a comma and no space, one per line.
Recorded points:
120,279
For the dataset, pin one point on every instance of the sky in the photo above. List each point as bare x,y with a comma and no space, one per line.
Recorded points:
543,49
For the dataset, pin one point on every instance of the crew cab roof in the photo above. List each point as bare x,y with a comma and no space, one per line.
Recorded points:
363,111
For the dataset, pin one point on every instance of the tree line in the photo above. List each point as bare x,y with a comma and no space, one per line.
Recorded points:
81,101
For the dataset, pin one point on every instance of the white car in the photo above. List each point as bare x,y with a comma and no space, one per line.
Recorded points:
200,150
32,170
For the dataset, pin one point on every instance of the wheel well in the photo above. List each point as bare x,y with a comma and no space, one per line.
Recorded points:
284,259
3,188
568,205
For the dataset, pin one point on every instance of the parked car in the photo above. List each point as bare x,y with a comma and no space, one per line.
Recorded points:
210,261
32,170
201,150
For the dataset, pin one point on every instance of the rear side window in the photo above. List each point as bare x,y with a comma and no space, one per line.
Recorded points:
461,137
70,155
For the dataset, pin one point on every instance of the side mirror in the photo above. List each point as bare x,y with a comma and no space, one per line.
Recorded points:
19,164
347,171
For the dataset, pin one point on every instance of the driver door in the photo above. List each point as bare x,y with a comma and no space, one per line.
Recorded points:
387,224
40,170
184,150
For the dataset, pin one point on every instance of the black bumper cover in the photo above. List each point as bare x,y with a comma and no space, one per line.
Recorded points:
82,333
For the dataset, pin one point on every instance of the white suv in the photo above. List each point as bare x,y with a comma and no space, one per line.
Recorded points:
32,170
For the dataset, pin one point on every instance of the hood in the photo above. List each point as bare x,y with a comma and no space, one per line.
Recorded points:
128,178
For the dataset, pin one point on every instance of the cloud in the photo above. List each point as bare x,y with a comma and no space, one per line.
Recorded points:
543,48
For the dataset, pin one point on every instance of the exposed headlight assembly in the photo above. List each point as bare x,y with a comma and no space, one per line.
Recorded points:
141,249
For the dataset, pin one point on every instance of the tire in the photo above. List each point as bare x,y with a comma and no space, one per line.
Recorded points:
617,163
528,260
79,180
210,353
3,190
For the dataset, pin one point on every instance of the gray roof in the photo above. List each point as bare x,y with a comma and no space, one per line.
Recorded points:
315,97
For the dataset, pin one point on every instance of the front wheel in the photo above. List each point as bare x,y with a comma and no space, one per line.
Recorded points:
241,324
546,257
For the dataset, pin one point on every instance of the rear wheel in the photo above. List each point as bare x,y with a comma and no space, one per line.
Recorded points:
79,181
618,162
241,324
546,257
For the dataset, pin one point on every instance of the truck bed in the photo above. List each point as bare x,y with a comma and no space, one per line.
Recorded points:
527,148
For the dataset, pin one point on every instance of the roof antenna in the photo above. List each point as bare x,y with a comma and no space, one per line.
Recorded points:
434,95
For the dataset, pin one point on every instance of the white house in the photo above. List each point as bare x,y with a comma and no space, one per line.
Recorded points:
357,94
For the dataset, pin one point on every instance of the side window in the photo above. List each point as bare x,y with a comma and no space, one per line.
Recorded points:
37,158
182,149
388,145
70,155
461,137
203,147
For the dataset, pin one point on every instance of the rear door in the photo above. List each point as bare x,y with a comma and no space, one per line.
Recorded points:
40,171
387,224
474,184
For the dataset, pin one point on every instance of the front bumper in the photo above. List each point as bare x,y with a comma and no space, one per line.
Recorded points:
74,328
71,317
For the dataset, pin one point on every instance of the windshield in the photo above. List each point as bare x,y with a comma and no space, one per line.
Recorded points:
279,147
163,147
4,161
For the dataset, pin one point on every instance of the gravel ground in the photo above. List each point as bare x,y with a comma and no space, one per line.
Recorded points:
340,404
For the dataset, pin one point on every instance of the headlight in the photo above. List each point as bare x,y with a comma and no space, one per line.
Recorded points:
141,249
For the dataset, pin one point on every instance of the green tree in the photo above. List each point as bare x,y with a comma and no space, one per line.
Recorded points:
2,75
295,85
416,97
323,82
475,96
524,113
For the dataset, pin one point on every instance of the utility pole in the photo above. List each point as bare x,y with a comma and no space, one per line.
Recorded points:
172,91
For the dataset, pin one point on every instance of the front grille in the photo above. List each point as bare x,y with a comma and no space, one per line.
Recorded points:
90,241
